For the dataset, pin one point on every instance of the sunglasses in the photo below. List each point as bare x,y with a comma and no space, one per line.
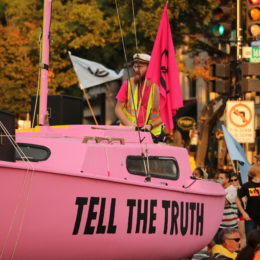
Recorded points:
138,66
235,239
233,180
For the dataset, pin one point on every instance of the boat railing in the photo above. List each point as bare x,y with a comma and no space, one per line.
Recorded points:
97,139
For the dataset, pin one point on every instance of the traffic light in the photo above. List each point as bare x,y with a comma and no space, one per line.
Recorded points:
253,19
223,17
222,81
250,76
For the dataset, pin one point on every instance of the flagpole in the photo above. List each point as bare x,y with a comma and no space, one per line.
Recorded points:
234,167
89,105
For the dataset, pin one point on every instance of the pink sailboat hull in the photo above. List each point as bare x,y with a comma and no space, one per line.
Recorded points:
83,203
74,196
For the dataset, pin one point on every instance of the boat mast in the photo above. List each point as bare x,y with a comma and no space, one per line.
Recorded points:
43,113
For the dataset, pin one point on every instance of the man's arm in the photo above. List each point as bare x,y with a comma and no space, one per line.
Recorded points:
155,123
241,209
121,115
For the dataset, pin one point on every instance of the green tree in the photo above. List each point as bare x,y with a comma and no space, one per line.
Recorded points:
89,29
18,74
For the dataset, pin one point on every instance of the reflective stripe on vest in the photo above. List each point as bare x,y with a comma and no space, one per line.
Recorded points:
152,105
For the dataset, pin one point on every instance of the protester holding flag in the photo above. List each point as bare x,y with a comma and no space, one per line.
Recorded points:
161,76
138,99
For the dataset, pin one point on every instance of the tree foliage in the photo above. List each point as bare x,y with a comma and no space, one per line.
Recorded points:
89,29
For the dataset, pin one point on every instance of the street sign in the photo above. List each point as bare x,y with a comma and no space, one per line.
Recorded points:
255,43
246,52
255,55
240,120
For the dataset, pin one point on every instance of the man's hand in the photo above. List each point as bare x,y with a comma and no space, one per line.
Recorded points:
122,117
147,127
132,126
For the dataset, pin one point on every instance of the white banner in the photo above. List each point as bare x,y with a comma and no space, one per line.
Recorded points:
91,73
240,120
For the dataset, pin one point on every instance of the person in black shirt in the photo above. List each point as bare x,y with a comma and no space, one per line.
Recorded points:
251,190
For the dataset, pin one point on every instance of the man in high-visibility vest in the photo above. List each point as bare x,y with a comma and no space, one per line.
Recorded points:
138,100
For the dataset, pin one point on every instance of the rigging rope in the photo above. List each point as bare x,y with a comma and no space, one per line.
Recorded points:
136,41
146,167
121,31
128,73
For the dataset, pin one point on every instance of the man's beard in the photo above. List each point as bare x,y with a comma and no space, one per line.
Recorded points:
139,79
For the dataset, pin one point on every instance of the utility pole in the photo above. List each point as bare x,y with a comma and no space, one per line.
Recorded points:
239,39
235,64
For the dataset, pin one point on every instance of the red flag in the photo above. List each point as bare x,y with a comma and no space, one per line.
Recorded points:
163,71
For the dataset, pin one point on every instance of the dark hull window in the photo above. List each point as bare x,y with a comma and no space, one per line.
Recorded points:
32,152
157,166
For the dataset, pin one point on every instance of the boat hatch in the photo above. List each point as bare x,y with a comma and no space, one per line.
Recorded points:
32,152
158,166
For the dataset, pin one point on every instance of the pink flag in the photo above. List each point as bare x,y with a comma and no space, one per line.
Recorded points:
163,72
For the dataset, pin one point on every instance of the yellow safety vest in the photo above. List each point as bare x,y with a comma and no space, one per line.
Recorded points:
132,105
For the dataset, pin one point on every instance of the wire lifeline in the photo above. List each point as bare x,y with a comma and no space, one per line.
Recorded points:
20,194
24,212
20,152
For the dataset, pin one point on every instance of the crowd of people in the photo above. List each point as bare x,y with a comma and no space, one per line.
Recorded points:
238,236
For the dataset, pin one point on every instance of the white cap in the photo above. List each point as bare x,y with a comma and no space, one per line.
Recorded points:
141,57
